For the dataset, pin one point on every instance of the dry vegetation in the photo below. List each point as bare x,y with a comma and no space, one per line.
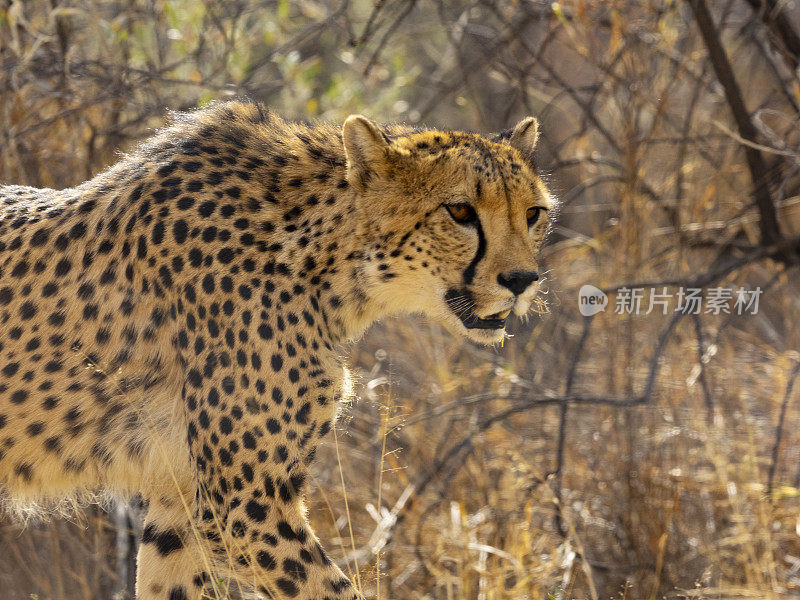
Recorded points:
623,456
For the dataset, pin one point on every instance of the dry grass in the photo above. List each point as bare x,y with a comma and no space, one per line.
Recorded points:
642,457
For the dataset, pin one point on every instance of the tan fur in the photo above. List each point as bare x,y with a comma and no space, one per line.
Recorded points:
170,328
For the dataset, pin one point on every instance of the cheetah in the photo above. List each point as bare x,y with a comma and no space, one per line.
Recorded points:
172,327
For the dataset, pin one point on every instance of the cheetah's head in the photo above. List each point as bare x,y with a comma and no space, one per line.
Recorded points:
452,222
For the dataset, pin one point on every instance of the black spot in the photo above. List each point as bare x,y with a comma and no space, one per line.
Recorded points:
166,169
302,414
87,206
287,587
256,511
10,369
165,276
292,213
27,310
281,454
238,529
225,255
35,429
62,241
178,593
141,247
338,586
158,233
195,379
186,202
225,425
294,569
269,486
39,237
209,234
57,318
53,444
266,560
195,257
213,397
206,208
24,471
85,291
180,231
20,269
166,541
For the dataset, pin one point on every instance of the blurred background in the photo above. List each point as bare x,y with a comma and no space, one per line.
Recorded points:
623,455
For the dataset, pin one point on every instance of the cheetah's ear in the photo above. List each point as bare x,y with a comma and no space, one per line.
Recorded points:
365,148
525,136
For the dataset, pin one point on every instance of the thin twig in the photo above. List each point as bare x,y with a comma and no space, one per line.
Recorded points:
779,428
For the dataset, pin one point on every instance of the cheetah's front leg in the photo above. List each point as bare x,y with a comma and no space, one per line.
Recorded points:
269,546
252,454
169,567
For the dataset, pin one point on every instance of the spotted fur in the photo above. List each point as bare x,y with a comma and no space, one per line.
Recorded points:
170,327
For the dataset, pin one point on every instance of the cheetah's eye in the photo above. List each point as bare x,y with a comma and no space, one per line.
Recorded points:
462,213
532,215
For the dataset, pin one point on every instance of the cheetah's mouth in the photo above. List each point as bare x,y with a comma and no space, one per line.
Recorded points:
460,303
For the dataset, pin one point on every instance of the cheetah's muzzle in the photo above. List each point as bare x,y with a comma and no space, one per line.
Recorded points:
460,302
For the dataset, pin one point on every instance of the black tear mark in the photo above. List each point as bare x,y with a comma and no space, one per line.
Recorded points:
469,272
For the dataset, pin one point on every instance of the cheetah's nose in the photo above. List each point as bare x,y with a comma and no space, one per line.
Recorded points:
517,281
